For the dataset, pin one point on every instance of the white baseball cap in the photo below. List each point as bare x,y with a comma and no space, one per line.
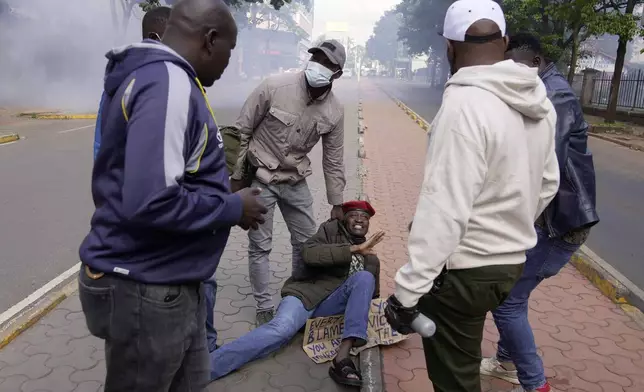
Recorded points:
464,13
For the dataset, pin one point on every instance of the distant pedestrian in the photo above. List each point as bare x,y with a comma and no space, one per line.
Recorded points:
152,26
491,170
562,228
164,208
280,123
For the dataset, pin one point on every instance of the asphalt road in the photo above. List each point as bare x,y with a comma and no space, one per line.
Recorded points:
45,199
620,188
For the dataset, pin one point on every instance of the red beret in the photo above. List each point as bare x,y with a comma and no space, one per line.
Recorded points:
358,205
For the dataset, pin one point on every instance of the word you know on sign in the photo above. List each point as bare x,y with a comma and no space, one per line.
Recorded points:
323,335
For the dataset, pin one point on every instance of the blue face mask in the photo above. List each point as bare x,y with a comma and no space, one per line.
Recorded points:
318,75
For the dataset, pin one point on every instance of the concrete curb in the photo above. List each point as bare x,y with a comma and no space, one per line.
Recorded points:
371,369
11,329
607,279
12,137
417,119
370,359
632,146
58,116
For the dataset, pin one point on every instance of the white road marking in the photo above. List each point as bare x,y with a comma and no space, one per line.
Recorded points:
76,129
38,294
6,144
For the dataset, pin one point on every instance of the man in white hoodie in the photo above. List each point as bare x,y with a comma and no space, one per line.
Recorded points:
490,171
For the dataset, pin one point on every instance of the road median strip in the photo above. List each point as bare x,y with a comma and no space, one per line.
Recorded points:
12,137
602,275
58,116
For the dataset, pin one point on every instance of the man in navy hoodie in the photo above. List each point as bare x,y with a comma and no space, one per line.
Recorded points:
164,209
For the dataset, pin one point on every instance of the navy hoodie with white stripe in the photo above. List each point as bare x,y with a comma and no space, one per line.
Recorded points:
164,209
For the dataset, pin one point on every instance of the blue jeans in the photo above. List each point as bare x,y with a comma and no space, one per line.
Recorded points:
353,299
210,293
516,343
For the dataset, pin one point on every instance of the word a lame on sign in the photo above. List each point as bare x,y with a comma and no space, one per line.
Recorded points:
323,335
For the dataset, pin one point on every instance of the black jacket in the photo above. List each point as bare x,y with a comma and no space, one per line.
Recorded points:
574,205
327,258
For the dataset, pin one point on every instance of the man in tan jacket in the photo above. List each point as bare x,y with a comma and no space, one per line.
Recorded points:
280,123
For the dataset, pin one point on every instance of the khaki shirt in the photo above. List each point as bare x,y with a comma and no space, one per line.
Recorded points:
280,124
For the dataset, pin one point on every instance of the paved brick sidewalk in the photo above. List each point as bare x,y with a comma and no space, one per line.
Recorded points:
588,343
59,355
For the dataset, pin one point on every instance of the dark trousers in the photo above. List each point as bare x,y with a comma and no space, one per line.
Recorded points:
155,339
459,308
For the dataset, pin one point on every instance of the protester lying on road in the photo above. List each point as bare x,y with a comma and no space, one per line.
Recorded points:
491,170
341,276
152,27
562,228
281,122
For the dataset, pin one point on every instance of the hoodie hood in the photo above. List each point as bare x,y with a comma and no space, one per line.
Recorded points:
518,85
127,59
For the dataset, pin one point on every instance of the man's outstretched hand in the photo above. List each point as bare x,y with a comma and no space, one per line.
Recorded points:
366,248
252,210
400,317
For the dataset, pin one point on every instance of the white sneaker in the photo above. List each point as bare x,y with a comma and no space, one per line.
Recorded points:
494,368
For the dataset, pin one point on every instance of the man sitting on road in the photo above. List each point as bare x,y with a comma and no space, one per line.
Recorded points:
152,27
281,122
562,228
342,274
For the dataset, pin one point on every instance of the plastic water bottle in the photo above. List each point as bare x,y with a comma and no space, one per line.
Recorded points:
424,326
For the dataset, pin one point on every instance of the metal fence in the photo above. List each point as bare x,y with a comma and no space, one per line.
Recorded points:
631,90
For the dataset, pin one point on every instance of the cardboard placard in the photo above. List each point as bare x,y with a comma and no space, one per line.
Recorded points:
323,335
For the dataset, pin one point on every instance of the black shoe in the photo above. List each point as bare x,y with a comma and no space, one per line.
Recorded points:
263,317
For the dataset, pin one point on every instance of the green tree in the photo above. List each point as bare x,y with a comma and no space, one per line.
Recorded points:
626,29
146,5
421,21
383,43
564,25
250,13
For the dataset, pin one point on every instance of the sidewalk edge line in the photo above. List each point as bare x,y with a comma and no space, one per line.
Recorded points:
370,359
601,274
422,123
612,283
628,145
10,138
20,317
16,331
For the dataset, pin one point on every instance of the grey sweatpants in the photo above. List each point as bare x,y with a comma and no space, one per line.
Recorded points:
296,204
